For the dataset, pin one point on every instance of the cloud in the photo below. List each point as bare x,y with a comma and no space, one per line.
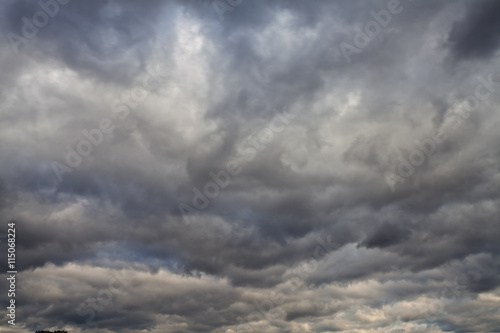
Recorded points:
476,34
308,237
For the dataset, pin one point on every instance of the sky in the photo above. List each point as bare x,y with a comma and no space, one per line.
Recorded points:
256,166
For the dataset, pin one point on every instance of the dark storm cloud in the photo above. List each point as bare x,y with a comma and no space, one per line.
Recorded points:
93,37
425,254
386,235
477,35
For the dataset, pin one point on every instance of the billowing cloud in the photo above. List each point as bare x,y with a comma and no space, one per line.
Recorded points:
173,171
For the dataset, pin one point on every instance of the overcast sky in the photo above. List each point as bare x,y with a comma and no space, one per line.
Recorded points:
252,166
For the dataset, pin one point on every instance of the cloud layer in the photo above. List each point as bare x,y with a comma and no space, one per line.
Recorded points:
116,116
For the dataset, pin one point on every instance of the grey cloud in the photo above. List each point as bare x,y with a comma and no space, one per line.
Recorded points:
477,34
314,194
